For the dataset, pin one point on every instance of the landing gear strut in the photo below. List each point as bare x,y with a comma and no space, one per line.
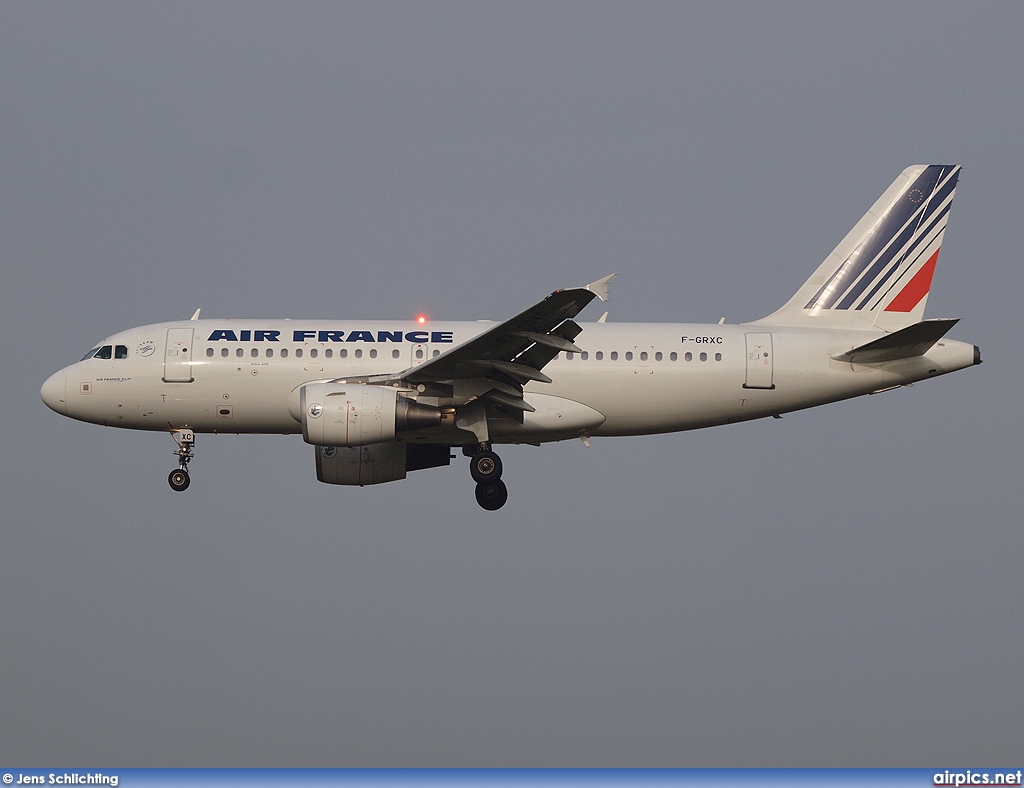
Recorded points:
485,468
178,479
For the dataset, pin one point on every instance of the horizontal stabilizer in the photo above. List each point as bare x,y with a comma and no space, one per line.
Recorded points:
915,340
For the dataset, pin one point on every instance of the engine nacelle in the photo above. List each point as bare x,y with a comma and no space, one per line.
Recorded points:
356,414
381,462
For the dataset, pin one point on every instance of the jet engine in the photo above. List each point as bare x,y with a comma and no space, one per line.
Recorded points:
378,463
357,414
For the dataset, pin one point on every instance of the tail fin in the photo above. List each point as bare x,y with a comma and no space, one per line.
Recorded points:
880,273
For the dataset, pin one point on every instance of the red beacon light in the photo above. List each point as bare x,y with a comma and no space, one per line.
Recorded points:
421,319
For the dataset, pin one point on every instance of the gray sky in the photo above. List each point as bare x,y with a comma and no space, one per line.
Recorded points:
839,588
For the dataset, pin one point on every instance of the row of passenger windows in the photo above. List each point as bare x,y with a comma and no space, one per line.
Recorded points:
268,352
107,351
643,355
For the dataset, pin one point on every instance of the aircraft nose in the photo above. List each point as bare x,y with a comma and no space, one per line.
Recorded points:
54,393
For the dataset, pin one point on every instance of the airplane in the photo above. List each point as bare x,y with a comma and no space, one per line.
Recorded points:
380,399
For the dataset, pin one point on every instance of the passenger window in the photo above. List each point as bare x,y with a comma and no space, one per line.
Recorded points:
643,355
673,356
614,355
568,356
358,353
703,356
209,352
658,356
224,352
328,353
718,356
270,352
298,353
104,352
629,355
284,352
120,352
343,353
312,352
395,353
599,355
254,352
373,353
688,356
584,356
419,352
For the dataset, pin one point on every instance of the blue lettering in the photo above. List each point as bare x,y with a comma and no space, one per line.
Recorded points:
421,337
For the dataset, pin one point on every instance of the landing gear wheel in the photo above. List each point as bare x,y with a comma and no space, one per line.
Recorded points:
491,495
485,467
186,440
178,479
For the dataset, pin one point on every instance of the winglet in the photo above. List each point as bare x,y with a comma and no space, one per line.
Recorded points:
195,316
600,287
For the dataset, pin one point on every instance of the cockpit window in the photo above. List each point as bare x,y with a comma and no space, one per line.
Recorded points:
120,351
103,352
90,354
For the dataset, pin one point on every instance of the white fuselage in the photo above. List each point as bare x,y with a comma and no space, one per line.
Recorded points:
242,376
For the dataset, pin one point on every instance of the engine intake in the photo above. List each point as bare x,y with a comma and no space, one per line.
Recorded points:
357,414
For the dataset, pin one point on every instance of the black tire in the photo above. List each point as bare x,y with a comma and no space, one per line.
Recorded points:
178,479
491,495
485,467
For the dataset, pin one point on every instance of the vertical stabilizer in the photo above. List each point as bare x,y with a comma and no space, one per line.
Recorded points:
880,274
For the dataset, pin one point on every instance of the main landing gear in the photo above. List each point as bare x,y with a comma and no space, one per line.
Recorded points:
485,468
178,478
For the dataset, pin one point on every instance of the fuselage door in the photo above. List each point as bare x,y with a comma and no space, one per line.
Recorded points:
759,362
421,351
178,356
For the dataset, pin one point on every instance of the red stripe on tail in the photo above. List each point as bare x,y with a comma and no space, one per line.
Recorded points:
916,289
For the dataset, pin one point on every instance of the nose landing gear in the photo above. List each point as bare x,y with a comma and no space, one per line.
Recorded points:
485,468
186,440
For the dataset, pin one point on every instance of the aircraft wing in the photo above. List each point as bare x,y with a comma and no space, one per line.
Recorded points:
497,363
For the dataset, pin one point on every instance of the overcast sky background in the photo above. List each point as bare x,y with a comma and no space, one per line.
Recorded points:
840,588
